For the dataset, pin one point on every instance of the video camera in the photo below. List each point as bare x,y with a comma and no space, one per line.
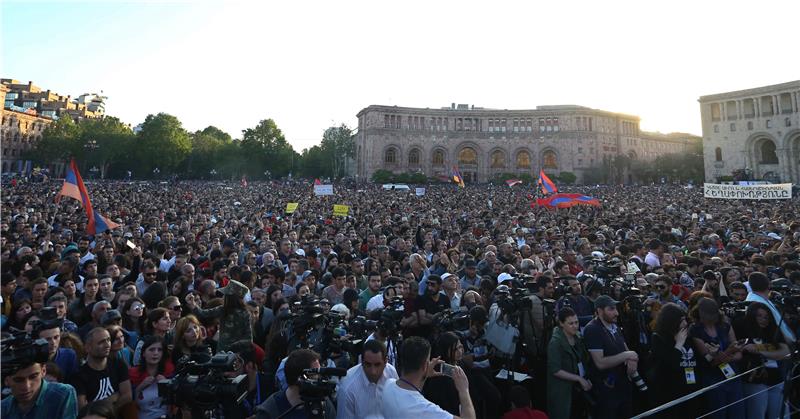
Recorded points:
316,385
451,321
201,384
786,296
20,351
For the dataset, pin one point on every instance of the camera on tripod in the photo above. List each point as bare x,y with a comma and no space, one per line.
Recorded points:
201,384
451,321
21,350
316,385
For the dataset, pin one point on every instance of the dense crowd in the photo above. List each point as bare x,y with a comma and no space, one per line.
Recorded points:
427,301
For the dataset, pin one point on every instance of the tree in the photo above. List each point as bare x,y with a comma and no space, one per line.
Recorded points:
59,142
111,139
338,145
265,148
567,177
162,143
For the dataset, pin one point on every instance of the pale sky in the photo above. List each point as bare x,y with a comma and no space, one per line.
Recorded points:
309,65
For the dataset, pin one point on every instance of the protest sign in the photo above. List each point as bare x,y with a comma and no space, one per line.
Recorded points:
291,207
320,190
420,191
771,191
341,210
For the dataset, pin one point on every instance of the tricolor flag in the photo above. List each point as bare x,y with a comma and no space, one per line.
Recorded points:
512,182
244,181
457,177
317,181
73,187
547,185
566,200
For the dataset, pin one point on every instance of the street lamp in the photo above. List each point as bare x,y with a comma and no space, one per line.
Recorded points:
213,173
94,171
156,172
267,174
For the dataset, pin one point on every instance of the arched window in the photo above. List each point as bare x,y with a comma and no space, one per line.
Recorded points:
523,160
718,154
438,158
549,160
498,159
768,155
390,157
467,156
413,157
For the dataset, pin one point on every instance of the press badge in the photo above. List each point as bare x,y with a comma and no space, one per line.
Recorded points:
690,379
581,371
727,370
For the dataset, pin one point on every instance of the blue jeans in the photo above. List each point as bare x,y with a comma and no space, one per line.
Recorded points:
724,395
767,403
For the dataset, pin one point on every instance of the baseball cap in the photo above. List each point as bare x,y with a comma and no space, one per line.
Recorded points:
446,275
504,277
604,301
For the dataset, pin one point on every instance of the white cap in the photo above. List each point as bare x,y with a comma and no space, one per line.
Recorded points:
300,252
774,236
504,277
446,275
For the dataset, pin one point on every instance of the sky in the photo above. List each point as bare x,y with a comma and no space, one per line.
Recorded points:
309,65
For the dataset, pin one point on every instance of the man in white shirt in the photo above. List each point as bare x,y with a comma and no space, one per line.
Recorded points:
360,392
653,258
402,398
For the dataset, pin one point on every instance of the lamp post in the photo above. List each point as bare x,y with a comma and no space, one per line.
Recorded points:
213,173
267,174
94,171
156,171
90,147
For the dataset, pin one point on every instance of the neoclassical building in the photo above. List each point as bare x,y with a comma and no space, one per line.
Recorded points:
756,130
484,143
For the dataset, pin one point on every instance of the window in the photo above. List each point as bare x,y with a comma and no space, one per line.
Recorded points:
749,125
787,122
715,112
541,125
549,160
523,160
390,157
498,159
733,127
769,123
491,125
467,156
716,128
413,157
718,154
438,158
768,155
516,125
555,124
503,124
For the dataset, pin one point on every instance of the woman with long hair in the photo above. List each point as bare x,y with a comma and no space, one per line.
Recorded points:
764,345
119,348
717,352
189,337
233,315
158,324
567,358
673,363
155,366
133,319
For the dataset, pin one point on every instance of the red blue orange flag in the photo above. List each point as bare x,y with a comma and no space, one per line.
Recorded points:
457,177
547,185
317,181
566,200
74,187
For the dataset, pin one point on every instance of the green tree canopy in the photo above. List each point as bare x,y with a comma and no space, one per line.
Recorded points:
162,143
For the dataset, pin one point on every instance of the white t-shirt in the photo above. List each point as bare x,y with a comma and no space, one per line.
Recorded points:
401,403
375,303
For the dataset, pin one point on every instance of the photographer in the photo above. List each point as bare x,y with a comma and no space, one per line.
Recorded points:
359,393
759,286
573,297
280,402
32,396
402,398
566,361
234,317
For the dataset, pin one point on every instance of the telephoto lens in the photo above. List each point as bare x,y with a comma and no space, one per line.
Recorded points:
639,382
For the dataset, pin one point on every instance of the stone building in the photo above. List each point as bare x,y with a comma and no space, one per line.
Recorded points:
485,143
754,131
27,110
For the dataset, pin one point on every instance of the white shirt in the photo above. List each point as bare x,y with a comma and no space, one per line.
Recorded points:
357,397
87,256
51,282
375,303
652,260
401,403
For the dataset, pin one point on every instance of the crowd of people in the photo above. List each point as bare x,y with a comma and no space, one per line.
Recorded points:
426,302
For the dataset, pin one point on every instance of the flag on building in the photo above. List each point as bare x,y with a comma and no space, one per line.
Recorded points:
74,187
457,177
566,200
547,185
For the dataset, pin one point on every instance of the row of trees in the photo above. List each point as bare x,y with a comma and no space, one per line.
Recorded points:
162,148
683,167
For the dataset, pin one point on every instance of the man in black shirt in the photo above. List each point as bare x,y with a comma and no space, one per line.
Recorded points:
100,377
429,304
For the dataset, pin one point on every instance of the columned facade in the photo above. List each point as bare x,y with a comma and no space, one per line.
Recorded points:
486,143
754,131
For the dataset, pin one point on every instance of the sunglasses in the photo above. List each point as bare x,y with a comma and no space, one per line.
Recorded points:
176,308
137,307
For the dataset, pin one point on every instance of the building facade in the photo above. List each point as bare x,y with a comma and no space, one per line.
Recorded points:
486,143
754,131
27,110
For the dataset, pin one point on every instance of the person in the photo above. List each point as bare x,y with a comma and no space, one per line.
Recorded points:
155,366
189,336
373,288
100,377
99,409
335,292
764,345
759,286
234,317
717,351
441,389
402,398
673,367
521,403
574,298
65,358
280,402
612,362
34,397
360,392
429,304
119,349
567,359
158,324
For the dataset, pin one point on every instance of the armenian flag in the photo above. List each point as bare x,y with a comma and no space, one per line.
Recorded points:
317,181
457,177
547,185
512,182
74,187
566,200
